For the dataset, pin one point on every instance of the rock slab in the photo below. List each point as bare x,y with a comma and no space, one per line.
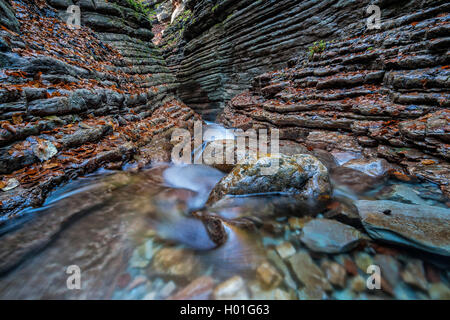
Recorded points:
419,226
329,236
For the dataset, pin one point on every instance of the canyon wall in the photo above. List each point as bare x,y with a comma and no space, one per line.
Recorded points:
314,70
216,47
76,99
103,95
382,94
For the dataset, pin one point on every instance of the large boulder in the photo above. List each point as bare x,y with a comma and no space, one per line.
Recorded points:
302,176
420,226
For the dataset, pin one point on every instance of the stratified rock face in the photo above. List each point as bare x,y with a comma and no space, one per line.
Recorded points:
76,99
302,176
381,93
218,46
7,17
420,226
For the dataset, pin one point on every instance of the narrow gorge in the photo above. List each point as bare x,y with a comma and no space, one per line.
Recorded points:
352,95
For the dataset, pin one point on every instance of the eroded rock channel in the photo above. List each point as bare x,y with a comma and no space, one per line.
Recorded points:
91,116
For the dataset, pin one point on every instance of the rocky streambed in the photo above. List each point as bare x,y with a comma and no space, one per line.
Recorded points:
353,204
314,229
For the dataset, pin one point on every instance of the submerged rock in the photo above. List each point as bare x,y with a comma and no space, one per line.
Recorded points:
414,274
232,289
285,250
268,275
199,289
390,269
174,262
281,265
439,291
260,293
336,273
401,193
420,226
309,293
309,273
329,236
302,176
358,284
363,260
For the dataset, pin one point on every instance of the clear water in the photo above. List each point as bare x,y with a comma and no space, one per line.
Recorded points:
134,236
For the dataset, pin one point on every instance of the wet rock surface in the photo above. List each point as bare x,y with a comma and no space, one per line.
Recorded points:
234,42
421,226
310,275
360,180
302,176
329,236
146,248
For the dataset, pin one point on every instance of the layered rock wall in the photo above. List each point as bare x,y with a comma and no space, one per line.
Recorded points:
378,94
217,47
76,99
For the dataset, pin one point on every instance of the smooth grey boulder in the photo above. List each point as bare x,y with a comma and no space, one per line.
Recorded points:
330,236
419,226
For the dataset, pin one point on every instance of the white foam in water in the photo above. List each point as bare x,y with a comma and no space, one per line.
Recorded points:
196,177
220,132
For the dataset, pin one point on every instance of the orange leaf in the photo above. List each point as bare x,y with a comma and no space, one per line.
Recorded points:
401,176
427,162
17,119
7,30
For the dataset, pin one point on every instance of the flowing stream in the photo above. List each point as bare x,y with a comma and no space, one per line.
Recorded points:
134,236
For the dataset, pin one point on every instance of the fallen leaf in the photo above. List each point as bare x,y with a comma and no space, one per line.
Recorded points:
17,119
401,176
427,162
